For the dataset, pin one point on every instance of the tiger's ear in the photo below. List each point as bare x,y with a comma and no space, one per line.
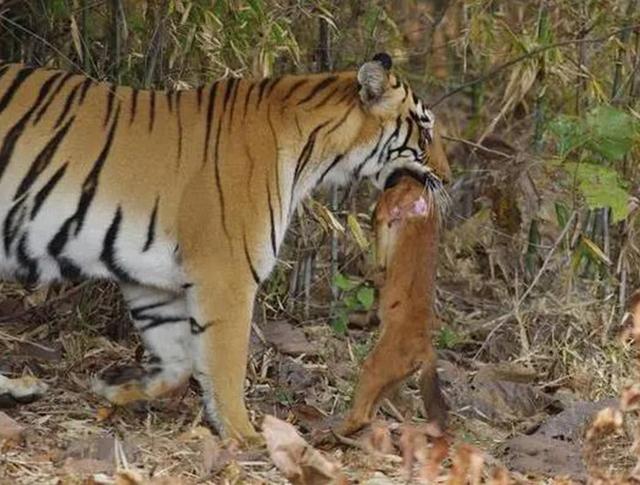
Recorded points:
373,77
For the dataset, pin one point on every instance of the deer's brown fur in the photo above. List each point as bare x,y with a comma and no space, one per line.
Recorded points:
407,236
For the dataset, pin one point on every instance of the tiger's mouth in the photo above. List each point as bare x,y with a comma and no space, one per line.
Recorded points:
426,178
435,191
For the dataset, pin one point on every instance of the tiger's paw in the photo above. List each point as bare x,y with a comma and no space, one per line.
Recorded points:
119,394
22,390
244,433
132,384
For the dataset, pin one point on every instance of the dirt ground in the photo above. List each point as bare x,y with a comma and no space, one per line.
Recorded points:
525,411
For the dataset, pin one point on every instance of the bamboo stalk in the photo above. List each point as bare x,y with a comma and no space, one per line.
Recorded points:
154,69
581,83
616,88
543,19
116,40
84,29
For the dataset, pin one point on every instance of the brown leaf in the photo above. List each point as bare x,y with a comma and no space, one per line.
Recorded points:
309,417
295,458
132,477
10,306
499,476
101,448
129,477
215,456
379,438
41,350
438,452
165,481
10,429
288,339
414,448
461,465
501,395
607,421
630,399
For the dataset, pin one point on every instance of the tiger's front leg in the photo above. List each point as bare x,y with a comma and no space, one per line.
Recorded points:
222,284
221,302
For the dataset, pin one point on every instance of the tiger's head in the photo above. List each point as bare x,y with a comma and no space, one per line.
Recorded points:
407,138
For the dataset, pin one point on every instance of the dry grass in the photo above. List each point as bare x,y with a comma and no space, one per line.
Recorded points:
66,342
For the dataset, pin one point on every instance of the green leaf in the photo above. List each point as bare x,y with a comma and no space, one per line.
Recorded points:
606,131
447,338
256,6
351,302
339,323
569,134
58,9
612,132
365,296
562,214
371,18
601,187
343,283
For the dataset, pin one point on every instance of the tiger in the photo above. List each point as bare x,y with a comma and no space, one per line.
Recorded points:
183,198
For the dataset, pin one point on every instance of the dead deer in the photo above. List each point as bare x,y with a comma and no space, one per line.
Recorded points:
406,236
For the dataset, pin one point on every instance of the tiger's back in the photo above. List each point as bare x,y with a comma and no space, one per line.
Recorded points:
81,164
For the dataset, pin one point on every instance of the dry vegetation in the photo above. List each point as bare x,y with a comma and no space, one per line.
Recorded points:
539,102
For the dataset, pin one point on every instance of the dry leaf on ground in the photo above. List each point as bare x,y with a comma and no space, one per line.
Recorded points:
288,339
379,438
215,455
295,458
10,429
414,447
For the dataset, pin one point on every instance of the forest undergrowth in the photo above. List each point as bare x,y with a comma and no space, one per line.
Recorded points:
538,102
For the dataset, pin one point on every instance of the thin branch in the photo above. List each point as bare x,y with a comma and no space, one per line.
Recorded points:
11,338
528,55
478,146
559,240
